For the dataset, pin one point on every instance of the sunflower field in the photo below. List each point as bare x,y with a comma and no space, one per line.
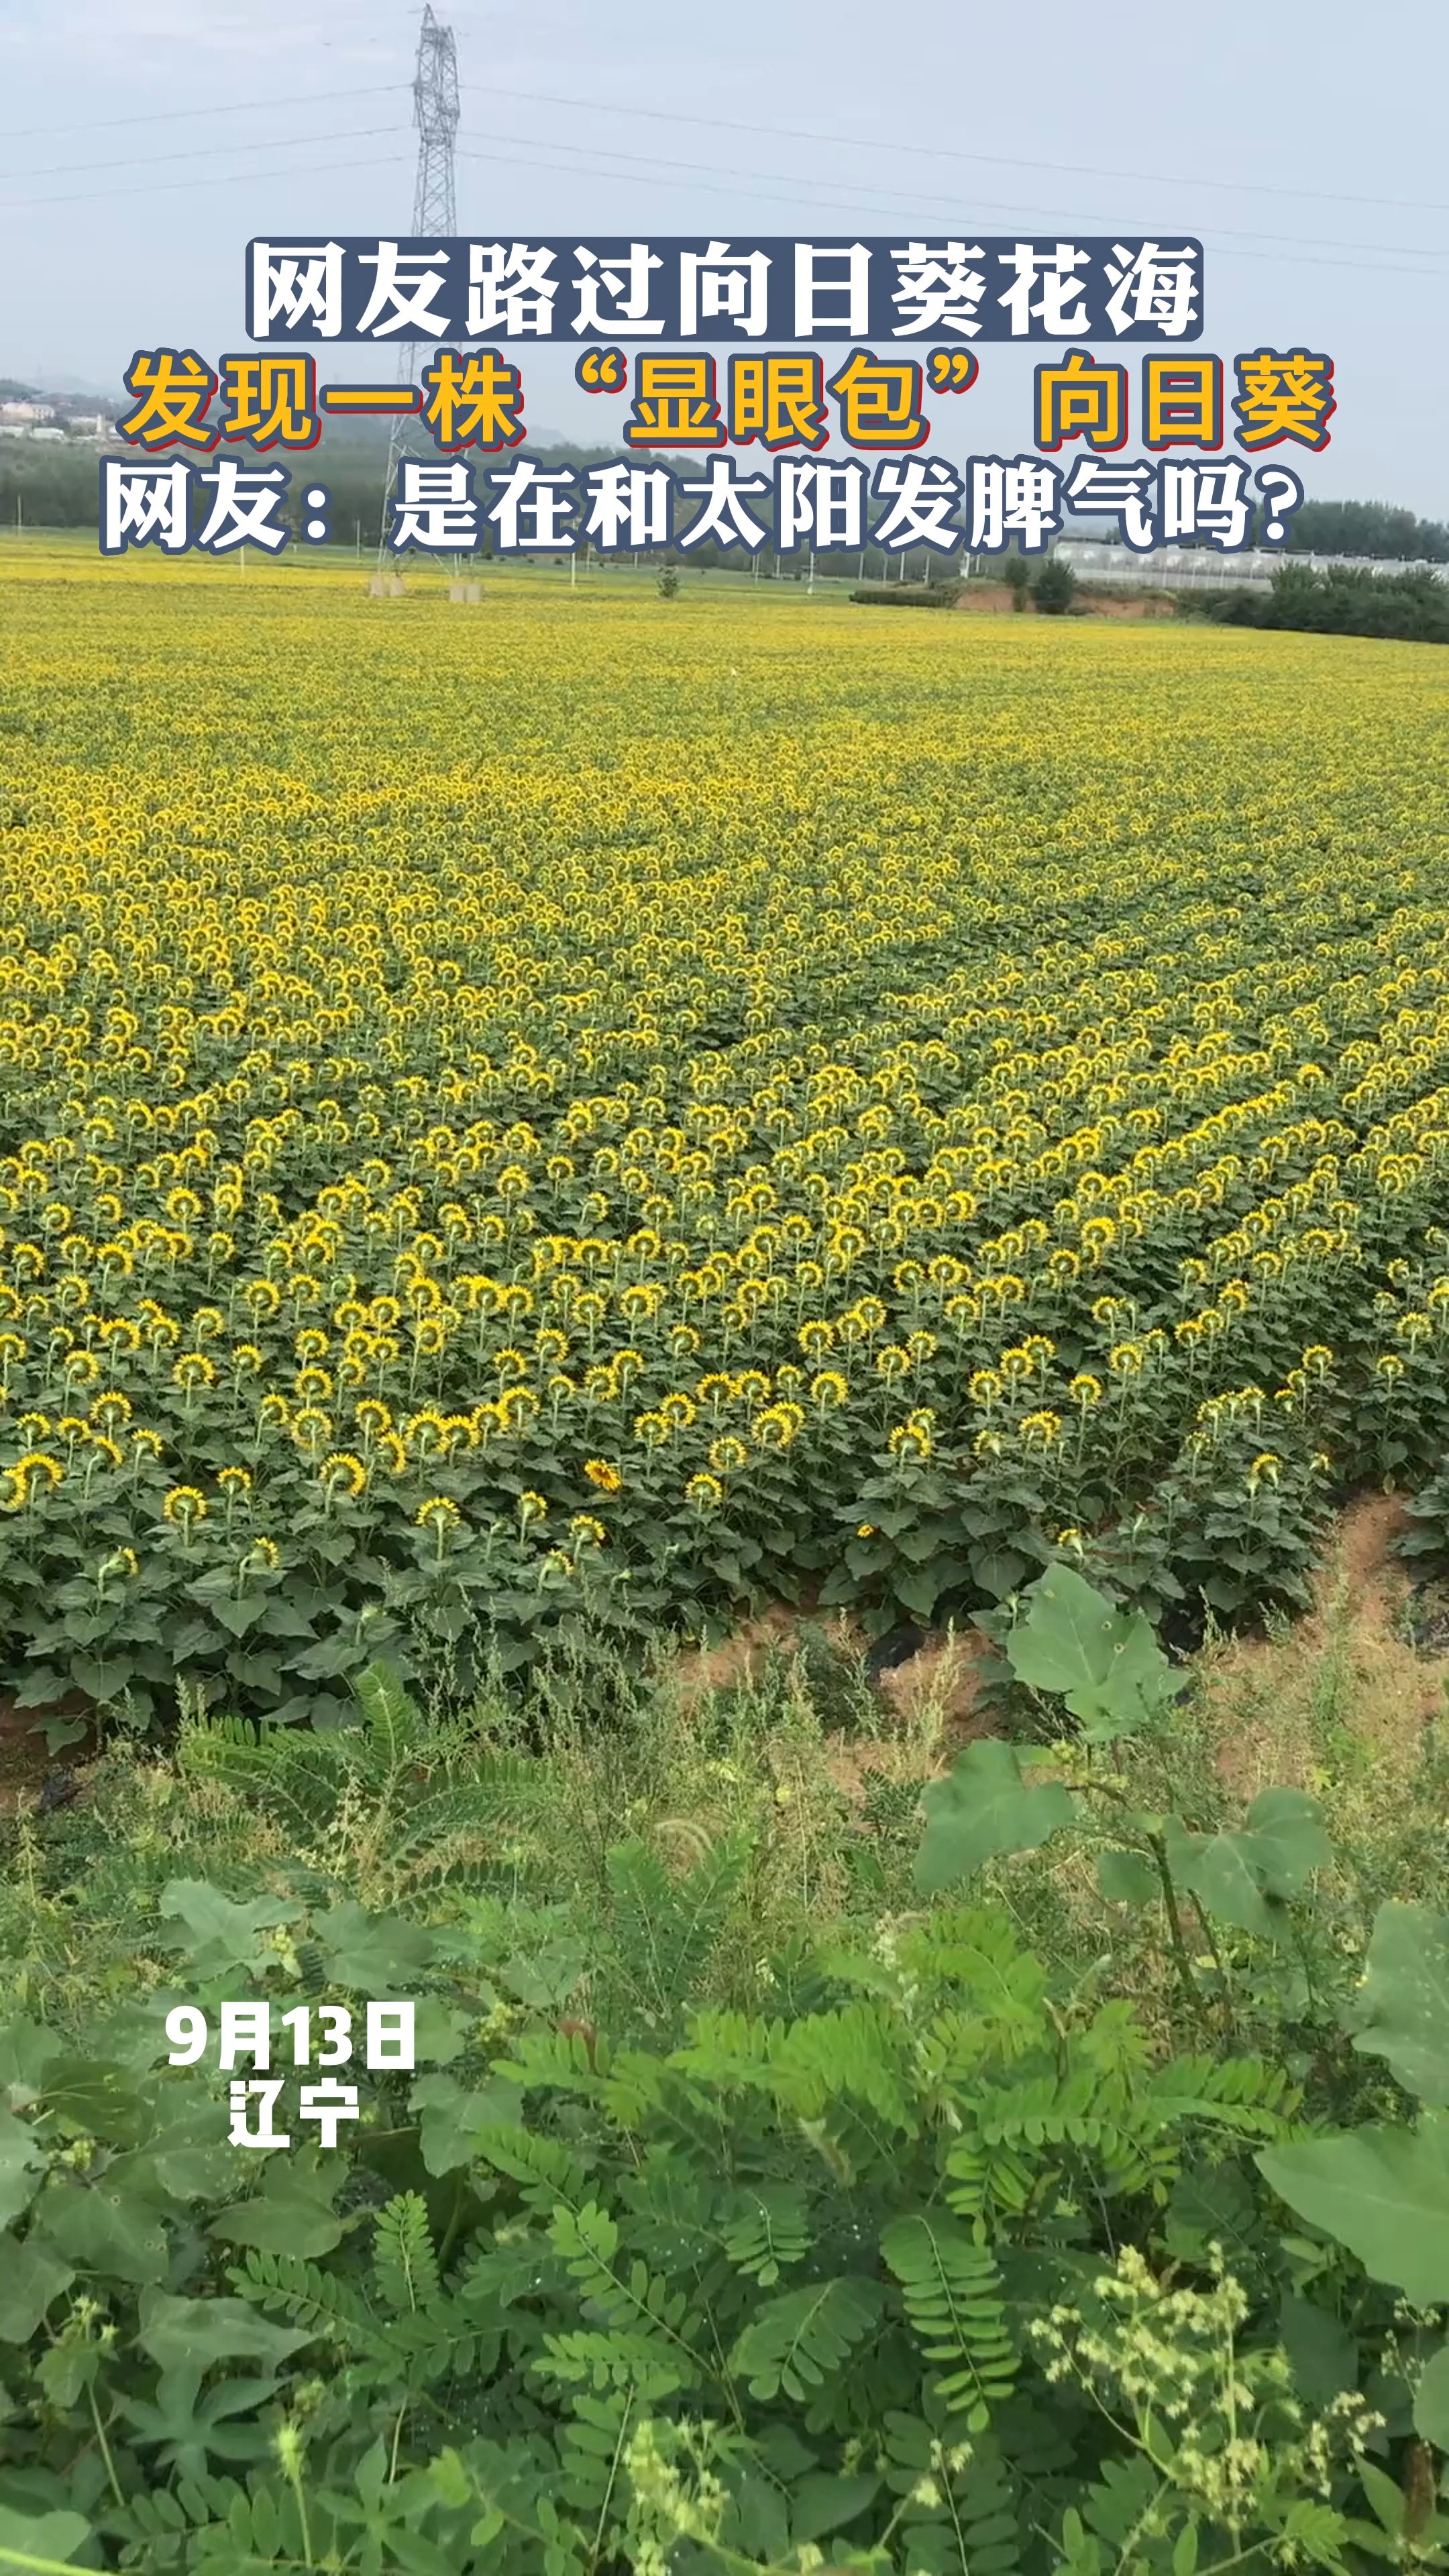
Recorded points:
587,1114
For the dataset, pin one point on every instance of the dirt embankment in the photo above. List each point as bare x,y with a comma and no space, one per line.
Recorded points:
1353,1663
1356,1661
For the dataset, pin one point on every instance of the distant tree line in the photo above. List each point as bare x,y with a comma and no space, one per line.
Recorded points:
1371,528
1410,607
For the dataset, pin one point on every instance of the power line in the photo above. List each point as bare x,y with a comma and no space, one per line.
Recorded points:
653,161
1294,249
202,152
785,133
940,152
175,115
740,181
224,179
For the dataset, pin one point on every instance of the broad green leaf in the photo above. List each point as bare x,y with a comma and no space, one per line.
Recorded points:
1219,1870
997,1570
237,1616
377,1955
1127,1878
781,2452
1106,1663
1431,2401
217,1934
26,2049
190,2157
292,2213
191,2334
450,2116
1208,2204
31,2542
1387,2499
1244,1878
31,2278
1285,1829
821,2502
1140,1681
439,2035
917,1588
544,1979
96,2094
756,2522
1066,1639
1404,2001
1384,2193
1325,2356
22,2162
99,2229
101,1680
981,1809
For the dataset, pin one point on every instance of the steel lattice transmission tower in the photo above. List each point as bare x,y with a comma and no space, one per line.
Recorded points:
435,197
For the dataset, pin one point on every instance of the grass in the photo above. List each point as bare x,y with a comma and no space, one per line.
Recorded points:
791,1773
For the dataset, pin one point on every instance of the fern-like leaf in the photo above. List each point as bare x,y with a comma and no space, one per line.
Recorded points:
404,2263
800,2340
806,2065
1120,2498
635,2300
960,2510
951,2291
389,1715
667,1928
617,2359
557,2061
1242,2094
767,2228
853,2054
989,2181
591,2449
310,2297
545,2171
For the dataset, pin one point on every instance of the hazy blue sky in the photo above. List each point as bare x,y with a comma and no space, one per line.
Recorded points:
1303,143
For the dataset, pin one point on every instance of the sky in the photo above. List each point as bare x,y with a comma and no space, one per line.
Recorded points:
144,142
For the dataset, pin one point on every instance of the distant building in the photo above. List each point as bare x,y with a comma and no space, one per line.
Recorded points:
88,424
24,415
40,431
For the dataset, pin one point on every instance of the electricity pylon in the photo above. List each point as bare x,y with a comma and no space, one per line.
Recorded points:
435,198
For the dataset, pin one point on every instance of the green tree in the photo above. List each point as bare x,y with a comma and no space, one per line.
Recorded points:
1370,528
1054,587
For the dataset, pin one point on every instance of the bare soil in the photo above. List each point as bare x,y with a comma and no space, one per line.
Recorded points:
993,599
1096,605
1349,1661
25,1757
928,1702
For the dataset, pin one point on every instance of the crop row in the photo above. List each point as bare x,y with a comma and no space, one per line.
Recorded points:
614,1117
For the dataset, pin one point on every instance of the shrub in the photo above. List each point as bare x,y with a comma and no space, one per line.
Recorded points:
1410,608
905,594
1054,587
